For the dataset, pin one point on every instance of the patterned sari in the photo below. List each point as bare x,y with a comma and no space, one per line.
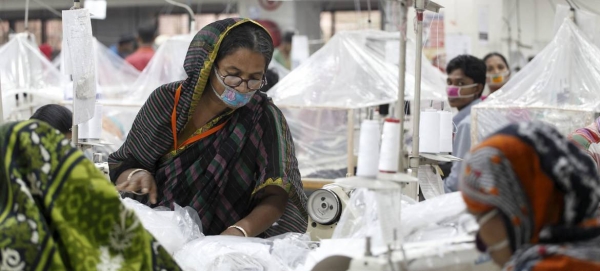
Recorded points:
241,152
58,212
547,191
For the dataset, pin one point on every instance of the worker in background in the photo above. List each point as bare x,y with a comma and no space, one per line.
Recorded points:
535,197
60,213
498,71
142,56
46,50
466,81
58,116
125,46
229,152
283,52
588,139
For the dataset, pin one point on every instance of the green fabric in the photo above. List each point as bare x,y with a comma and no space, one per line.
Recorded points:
58,212
281,59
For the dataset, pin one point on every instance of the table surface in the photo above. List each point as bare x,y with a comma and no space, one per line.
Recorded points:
314,184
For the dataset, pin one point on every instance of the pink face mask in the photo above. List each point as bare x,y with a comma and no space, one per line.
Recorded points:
454,91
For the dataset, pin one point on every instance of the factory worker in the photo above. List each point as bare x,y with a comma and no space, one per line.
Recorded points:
535,196
58,212
215,142
588,139
498,71
466,81
58,116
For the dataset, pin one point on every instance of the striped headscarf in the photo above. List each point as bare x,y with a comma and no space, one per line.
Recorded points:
588,139
547,191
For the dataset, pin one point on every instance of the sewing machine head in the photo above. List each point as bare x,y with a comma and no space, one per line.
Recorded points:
325,207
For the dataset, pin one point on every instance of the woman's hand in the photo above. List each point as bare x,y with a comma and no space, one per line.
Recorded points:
141,183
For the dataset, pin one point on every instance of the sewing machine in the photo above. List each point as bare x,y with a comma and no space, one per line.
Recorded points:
452,254
325,206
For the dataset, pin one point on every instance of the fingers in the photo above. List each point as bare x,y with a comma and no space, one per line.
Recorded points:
140,185
149,187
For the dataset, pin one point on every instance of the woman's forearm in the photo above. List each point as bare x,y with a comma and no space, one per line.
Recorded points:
123,177
267,211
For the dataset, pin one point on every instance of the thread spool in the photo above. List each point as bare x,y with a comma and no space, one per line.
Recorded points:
92,129
429,131
390,146
96,123
446,129
368,149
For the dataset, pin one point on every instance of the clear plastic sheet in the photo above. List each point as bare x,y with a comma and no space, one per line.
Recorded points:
173,229
558,86
588,22
359,219
320,141
114,75
24,69
165,67
438,218
284,252
351,71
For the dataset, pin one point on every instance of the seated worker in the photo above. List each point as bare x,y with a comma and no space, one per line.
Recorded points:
498,71
466,81
58,212
535,196
215,142
588,139
282,53
58,116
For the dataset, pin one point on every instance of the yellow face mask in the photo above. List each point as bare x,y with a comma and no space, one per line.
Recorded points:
498,78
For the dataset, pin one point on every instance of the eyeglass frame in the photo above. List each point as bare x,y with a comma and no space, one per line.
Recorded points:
262,84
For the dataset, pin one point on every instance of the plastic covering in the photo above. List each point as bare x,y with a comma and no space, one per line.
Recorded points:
166,66
280,253
588,22
114,75
559,86
355,69
24,69
441,217
172,229
351,71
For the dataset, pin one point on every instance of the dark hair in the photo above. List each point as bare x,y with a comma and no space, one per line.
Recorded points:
126,39
249,36
272,79
485,58
147,33
287,36
471,66
59,117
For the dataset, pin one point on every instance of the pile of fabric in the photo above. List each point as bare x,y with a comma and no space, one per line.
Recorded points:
180,233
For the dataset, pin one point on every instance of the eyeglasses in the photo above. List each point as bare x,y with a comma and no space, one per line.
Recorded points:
235,81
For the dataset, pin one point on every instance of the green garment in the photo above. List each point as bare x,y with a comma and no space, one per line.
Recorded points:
58,212
281,59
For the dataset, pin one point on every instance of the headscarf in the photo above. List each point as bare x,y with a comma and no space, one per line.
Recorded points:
547,191
219,175
588,139
58,212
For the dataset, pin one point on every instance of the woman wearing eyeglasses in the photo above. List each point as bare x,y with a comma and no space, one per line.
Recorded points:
535,196
216,143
